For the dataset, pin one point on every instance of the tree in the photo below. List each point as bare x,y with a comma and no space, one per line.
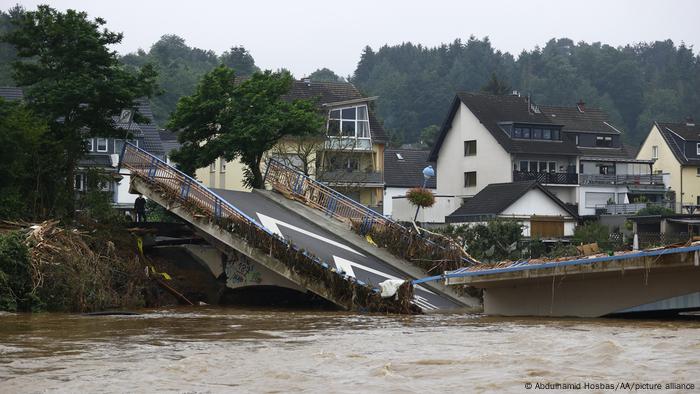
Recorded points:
8,54
429,135
240,60
325,75
496,86
74,81
239,121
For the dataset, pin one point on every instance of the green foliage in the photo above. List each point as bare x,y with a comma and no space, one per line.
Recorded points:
493,241
8,54
16,289
496,86
591,232
429,135
180,67
325,75
655,210
635,84
239,121
26,176
562,250
74,82
156,213
420,197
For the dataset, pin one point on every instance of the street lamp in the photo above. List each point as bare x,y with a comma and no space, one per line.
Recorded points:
428,173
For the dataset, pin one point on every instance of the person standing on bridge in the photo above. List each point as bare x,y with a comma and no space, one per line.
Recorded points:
140,208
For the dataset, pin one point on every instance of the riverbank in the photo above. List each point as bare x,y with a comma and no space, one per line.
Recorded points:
84,267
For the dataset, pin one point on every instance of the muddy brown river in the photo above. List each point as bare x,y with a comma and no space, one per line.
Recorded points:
212,350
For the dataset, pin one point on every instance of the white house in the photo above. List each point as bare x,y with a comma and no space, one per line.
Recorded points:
540,212
573,151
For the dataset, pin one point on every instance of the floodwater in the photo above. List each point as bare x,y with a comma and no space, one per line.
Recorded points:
240,350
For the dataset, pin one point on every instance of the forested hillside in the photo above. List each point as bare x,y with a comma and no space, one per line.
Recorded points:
180,67
635,84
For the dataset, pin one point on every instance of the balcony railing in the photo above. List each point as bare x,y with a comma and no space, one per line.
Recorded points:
351,177
633,208
598,179
553,178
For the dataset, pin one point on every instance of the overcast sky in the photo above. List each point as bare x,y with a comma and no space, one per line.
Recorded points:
304,35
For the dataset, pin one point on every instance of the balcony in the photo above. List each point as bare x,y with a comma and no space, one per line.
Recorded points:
548,178
348,144
359,178
597,179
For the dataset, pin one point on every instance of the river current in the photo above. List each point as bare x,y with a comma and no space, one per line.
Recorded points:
211,350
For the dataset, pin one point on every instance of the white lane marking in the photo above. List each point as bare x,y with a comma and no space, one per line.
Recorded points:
423,301
273,224
347,266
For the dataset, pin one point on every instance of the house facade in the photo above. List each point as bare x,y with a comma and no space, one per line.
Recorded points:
489,139
102,154
675,150
541,214
350,158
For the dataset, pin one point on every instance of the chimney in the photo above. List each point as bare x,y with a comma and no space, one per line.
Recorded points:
581,106
689,121
307,81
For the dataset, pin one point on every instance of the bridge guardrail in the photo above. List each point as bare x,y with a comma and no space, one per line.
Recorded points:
286,179
187,189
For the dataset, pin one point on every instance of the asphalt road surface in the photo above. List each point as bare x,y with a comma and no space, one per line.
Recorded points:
327,246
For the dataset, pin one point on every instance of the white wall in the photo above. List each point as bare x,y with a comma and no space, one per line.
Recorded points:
586,206
534,202
389,194
491,162
444,205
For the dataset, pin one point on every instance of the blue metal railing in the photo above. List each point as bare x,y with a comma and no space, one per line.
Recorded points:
285,178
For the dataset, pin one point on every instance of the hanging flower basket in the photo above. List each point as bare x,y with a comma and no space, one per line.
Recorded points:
421,197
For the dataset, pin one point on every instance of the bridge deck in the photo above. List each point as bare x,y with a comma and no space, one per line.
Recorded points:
327,246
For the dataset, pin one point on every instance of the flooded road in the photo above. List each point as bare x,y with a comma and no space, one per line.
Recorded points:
238,350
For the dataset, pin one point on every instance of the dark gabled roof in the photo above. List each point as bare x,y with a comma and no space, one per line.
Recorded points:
686,131
676,135
406,172
492,110
169,141
593,120
95,159
496,197
11,93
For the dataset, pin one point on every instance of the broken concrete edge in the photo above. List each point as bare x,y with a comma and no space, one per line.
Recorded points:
344,292
315,217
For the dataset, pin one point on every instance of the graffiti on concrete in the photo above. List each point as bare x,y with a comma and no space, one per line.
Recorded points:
241,272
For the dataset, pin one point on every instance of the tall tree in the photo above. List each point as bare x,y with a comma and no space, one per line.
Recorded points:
240,60
496,86
325,75
73,80
8,54
239,121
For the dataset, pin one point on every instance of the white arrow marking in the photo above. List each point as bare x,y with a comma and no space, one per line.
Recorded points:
273,224
346,266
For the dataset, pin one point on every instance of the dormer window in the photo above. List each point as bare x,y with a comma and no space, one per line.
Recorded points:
535,133
605,142
349,122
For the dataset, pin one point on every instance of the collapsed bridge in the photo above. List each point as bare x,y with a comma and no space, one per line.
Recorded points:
266,238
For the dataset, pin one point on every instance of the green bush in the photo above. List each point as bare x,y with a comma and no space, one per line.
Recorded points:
493,241
16,286
591,232
655,210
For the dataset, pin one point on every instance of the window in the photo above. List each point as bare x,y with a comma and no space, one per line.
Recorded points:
470,179
118,146
222,164
79,183
698,171
605,142
577,140
552,166
526,132
547,134
524,166
89,146
518,132
555,135
655,152
349,122
101,144
697,149
470,148
399,156
536,134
